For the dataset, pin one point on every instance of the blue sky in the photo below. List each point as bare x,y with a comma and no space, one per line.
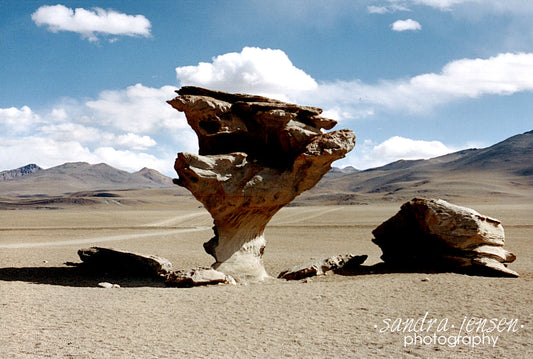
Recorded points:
88,80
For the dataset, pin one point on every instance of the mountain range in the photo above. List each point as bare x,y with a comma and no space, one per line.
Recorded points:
503,171
74,177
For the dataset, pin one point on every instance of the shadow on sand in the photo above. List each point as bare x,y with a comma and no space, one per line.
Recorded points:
79,276
75,277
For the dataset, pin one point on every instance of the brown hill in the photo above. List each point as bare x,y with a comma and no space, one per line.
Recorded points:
19,172
80,176
503,171
155,176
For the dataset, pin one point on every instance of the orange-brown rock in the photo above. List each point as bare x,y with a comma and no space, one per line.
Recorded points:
255,156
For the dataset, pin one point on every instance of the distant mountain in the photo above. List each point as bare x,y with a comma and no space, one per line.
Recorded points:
502,170
19,172
154,176
343,170
79,176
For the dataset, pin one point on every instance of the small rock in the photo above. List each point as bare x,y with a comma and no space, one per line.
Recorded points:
425,279
197,277
108,285
322,267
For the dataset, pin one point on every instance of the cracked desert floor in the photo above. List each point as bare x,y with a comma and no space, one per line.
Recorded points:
47,312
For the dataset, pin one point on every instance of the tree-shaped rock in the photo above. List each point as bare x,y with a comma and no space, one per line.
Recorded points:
255,156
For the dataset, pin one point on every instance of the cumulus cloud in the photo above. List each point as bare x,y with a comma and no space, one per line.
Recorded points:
130,129
254,70
369,154
406,25
135,127
90,23
132,161
14,120
70,131
138,109
135,142
46,152
504,74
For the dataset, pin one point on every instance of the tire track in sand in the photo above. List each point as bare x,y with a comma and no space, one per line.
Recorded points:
120,237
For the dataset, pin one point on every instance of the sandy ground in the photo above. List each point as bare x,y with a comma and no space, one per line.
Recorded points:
46,311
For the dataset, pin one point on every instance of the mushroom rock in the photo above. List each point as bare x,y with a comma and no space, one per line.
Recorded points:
255,156
437,235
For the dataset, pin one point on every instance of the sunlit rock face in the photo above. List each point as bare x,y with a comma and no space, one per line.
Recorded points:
255,156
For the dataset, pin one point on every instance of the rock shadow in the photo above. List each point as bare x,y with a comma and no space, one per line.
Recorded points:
383,268
75,277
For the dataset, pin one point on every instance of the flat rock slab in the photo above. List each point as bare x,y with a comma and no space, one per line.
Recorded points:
197,277
321,266
128,263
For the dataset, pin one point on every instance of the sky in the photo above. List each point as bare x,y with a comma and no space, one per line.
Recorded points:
88,80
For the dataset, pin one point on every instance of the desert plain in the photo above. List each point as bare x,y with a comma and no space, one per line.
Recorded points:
51,310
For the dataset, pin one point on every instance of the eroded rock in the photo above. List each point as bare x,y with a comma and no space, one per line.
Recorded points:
128,263
255,156
436,235
320,267
197,277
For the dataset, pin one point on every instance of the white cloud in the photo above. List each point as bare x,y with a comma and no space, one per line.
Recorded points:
517,7
46,152
138,109
254,70
132,161
14,120
504,74
406,25
377,9
90,23
69,131
135,127
372,9
369,154
501,75
130,129
135,142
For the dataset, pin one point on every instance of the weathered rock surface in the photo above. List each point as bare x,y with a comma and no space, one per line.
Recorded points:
124,262
197,277
436,235
255,156
320,267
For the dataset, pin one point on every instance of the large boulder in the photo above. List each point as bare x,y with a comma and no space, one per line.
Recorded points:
255,156
433,234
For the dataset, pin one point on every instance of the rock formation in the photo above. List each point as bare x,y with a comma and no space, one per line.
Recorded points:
322,266
255,156
436,235
197,277
128,263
